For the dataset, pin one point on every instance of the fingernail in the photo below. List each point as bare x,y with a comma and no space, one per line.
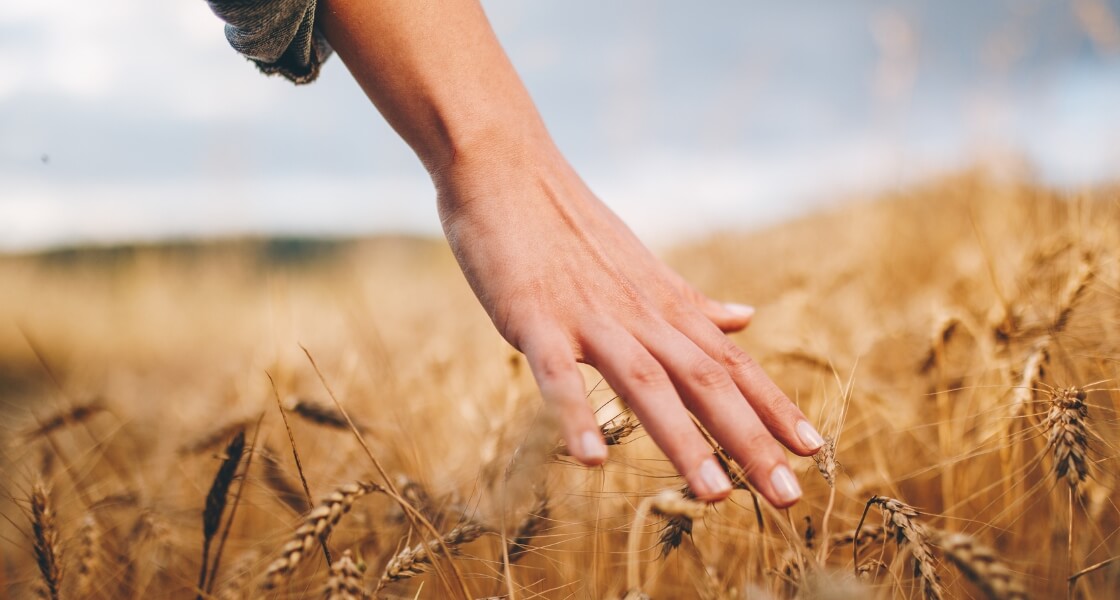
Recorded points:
739,310
713,479
785,484
808,435
593,448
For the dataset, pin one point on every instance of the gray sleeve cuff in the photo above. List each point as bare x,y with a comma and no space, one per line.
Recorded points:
278,35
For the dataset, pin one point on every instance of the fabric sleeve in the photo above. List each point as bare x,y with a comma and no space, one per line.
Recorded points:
278,35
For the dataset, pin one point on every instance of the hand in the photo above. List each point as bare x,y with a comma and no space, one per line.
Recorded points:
565,281
562,278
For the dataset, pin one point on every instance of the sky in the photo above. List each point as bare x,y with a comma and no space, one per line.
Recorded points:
133,120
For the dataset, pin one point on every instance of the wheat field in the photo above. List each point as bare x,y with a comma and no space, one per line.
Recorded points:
256,419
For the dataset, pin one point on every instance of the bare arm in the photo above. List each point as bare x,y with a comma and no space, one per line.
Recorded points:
563,279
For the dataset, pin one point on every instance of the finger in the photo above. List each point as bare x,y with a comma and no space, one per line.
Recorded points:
781,416
711,395
641,381
553,364
729,317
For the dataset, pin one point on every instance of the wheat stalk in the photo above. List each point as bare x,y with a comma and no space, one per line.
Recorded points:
981,566
79,413
216,500
46,546
417,495
667,504
89,555
903,526
214,436
613,434
791,572
825,459
678,523
529,527
942,333
1068,435
281,485
869,569
345,582
242,569
1034,369
295,456
866,535
319,413
415,560
1074,291
316,528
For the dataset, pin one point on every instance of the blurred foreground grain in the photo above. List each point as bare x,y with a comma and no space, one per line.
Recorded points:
958,343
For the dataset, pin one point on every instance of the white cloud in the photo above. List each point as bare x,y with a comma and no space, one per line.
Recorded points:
35,215
167,57
156,127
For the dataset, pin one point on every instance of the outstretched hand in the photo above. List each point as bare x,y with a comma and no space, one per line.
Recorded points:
561,276
565,281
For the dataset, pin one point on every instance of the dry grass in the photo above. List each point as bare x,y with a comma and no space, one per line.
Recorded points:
959,342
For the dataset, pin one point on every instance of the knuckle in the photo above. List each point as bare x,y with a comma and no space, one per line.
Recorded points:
759,443
772,402
553,368
757,452
735,360
708,374
646,372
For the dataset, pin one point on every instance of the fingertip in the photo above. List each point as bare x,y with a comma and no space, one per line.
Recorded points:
811,440
709,482
591,450
740,311
731,317
785,491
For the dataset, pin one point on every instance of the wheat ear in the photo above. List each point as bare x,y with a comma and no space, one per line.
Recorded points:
89,555
345,582
214,436
529,528
277,480
46,546
981,566
902,524
414,560
79,413
867,535
216,500
678,524
319,413
1068,434
613,434
242,569
1074,291
316,528
668,504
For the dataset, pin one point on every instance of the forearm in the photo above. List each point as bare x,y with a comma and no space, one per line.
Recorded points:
563,279
437,73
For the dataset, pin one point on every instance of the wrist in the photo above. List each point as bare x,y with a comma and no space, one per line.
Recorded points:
497,162
465,145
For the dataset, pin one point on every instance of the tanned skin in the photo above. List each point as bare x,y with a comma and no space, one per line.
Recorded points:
563,279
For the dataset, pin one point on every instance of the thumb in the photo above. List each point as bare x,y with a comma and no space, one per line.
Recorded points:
729,316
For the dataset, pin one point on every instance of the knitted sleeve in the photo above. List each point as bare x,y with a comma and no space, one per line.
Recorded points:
278,35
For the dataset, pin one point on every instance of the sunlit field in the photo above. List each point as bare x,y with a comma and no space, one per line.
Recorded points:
285,419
